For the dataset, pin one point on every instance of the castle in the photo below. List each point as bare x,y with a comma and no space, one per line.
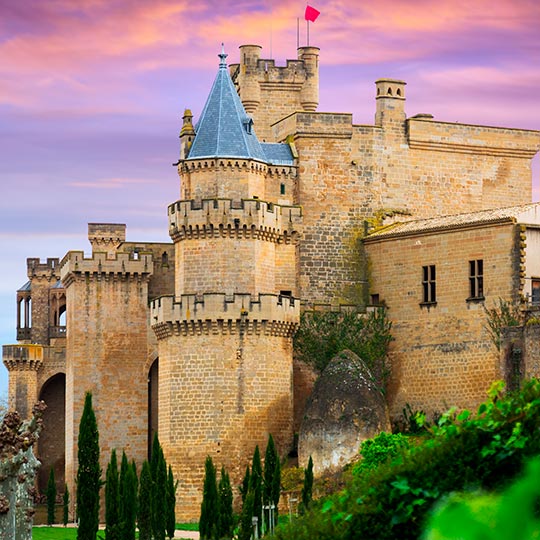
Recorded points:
282,208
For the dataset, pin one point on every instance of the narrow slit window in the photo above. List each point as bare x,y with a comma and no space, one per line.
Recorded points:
429,285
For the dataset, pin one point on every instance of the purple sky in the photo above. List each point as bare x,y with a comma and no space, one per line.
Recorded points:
92,93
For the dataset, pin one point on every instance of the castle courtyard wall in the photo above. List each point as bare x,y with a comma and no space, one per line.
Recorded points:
442,354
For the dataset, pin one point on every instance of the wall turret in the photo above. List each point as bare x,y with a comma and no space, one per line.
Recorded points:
309,96
390,101
106,237
187,134
269,92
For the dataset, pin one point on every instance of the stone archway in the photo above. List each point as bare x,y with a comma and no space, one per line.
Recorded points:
52,441
153,395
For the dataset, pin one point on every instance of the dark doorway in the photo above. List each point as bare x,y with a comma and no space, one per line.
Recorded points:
52,440
153,397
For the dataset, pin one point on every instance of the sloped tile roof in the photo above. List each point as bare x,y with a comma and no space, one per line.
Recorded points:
224,128
526,214
278,153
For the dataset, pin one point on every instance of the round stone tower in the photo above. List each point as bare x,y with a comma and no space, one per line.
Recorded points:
225,337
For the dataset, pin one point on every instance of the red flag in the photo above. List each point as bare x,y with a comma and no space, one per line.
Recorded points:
311,13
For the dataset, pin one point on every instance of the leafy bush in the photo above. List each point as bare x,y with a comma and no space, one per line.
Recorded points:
379,450
484,450
323,334
501,315
480,516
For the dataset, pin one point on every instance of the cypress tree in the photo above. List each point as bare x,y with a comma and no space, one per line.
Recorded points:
256,481
129,484
247,514
171,503
145,503
112,500
225,495
88,473
208,522
51,499
66,506
122,495
159,492
307,490
244,487
272,479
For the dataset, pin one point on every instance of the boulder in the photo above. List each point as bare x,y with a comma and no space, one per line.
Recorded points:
344,409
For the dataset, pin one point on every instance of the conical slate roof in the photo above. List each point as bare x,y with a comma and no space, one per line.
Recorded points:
224,128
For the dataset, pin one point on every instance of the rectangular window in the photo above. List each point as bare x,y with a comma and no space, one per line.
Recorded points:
476,279
429,285
282,189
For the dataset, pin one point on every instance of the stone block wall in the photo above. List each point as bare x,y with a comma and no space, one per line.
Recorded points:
107,349
442,354
417,167
221,396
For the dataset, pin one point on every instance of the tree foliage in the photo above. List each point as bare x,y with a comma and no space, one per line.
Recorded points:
144,507
272,479
484,450
502,315
159,492
381,449
171,503
128,498
66,506
255,485
225,495
51,499
88,473
112,500
307,489
209,519
323,334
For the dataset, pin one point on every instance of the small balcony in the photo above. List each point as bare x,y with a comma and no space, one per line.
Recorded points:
57,332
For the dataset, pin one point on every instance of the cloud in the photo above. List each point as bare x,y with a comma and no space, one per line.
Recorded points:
110,183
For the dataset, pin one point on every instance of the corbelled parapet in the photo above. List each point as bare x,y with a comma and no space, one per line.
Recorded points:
217,313
225,217
22,357
36,268
106,236
99,265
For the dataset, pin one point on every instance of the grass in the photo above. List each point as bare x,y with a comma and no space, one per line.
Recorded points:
70,533
54,533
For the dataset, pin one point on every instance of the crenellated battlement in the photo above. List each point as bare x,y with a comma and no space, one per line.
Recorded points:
100,265
241,165
218,313
251,218
22,357
48,269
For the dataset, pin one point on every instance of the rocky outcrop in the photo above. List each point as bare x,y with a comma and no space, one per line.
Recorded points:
345,409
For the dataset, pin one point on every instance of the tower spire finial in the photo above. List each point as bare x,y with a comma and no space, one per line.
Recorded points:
222,56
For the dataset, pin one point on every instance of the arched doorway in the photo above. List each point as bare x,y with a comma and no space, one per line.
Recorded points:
153,395
52,440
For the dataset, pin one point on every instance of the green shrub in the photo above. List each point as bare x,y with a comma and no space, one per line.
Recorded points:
466,451
322,335
379,450
513,515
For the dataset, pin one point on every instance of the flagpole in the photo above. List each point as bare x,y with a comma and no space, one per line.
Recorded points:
297,32
307,33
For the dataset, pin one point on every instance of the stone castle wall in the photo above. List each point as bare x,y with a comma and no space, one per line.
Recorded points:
442,354
417,167
105,355
225,371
